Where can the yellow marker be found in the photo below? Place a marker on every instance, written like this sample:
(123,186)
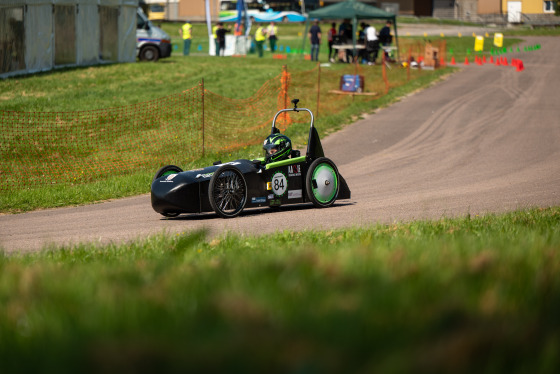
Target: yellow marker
(425,34)
(443,36)
(474,34)
(407,34)
(479,43)
(486,35)
(498,40)
(460,35)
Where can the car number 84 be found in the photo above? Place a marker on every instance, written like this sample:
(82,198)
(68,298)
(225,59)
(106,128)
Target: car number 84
(279,184)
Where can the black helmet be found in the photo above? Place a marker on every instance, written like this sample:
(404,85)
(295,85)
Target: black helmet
(277,147)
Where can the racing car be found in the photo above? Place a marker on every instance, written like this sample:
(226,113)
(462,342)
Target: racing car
(283,176)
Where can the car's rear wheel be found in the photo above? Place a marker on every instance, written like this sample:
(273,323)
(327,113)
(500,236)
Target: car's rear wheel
(227,191)
(167,170)
(163,172)
(322,182)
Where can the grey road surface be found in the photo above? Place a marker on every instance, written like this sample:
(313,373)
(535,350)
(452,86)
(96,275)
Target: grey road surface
(487,139)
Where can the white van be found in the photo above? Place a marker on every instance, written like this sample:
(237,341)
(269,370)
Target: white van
(152,43)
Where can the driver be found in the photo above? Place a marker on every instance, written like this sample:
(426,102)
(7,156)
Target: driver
(277,147)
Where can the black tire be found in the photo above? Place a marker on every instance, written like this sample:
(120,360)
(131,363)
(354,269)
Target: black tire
(227,191)
(167,170)
(322,182)
(149,53)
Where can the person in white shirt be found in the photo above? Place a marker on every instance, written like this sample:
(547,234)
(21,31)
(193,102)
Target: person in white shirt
(272,32)
(372,45)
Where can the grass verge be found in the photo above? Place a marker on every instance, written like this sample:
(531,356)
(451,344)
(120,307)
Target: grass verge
(139,182)
(473,294)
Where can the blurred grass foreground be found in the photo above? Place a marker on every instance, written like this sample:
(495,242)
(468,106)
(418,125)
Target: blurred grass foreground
(467,295)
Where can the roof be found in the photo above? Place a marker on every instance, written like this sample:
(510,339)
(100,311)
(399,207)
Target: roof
(350,9)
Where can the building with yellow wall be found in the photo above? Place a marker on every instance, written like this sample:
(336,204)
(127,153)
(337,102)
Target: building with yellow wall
(533,6)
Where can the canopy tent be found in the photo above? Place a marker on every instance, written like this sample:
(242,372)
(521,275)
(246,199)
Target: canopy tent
(354,10)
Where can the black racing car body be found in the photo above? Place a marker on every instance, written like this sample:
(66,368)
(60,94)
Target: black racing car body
(228,188)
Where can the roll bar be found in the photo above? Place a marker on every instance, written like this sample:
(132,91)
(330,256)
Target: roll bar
(314,147)
(294,109)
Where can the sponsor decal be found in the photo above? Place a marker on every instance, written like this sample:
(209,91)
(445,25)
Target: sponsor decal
(268,186)
(275,202)
(270,197)
(230,163)
(294,194)
(207,175)
(294,170)
(168,179)
(258,200)
(279,183)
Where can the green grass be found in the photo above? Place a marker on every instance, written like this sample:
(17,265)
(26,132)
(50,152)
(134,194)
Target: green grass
(124,84)
(538,31)
(465,295)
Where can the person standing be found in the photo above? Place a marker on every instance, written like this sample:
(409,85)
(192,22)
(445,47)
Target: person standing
(331,35)
(315,39)
(221,37)
(260,38)
(272,32)
(372,45)
(385,38)
(362,53)
(215,37)
(186,33)
(346,31)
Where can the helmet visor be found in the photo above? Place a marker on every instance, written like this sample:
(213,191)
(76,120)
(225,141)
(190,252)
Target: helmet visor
(270,149)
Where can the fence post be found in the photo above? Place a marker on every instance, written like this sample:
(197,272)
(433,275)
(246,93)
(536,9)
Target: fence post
(318,88)
(384,72)
(285,90)
(202,86)
(408,64)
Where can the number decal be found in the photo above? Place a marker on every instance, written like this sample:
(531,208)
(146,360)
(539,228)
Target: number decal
(279,184)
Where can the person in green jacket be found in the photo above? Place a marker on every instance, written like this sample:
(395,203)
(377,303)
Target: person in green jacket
(186,33)
(260,38)
(215,37)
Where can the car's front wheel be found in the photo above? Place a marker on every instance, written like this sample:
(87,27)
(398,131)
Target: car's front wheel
(149,53)
(227,191)
(322,182)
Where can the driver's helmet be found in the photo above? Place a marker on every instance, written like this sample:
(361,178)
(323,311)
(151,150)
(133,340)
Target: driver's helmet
(277,147)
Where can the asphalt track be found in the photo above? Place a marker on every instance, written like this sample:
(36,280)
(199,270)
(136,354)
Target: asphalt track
(485,140)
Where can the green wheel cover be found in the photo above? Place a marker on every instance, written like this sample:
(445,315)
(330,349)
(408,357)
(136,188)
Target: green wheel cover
(321,168)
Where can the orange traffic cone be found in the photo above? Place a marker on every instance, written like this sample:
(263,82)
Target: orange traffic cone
(452,60)
(505,62)
(466,60)
(520,66)
(491,59)
(498,61)
(484,59)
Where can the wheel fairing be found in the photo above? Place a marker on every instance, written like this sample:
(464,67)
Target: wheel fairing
(327,183)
